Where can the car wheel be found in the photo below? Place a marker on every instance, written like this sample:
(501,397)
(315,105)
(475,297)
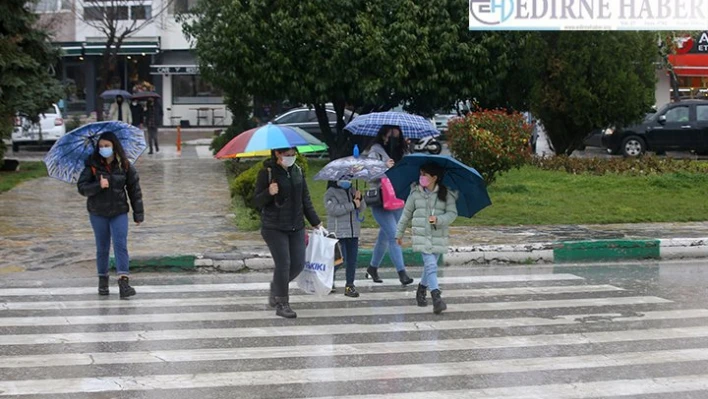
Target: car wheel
(633,146)
(435,148)
(15,147)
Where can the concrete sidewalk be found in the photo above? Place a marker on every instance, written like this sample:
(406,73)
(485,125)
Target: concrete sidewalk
(189,224)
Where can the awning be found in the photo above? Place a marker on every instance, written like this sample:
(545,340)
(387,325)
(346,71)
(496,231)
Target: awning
(75,49)
(690,64)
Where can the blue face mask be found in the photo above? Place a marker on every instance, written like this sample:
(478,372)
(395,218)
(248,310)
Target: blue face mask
(345,184)
(106,152)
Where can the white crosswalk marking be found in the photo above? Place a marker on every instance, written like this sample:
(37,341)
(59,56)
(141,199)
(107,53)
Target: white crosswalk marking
(221,340)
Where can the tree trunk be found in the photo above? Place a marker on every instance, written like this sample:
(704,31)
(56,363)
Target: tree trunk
(339,142)
(674,84)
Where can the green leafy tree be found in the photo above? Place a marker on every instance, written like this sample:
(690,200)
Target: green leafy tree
(590,80)
(366,55)
(26,60)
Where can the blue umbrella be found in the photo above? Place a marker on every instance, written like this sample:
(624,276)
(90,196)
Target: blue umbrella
(473,196)
(67,158)
(412,126)
(108,94)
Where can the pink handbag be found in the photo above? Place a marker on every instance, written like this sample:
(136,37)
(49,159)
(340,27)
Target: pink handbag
(388,195)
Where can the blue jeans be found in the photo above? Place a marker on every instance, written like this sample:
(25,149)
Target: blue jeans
(105,229)
(350,251)
(430,271)
(386,241)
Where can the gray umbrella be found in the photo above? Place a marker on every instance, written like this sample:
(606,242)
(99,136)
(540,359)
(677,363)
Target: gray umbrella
(351,168)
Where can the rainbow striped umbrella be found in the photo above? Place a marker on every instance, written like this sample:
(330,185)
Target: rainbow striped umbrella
(266,138)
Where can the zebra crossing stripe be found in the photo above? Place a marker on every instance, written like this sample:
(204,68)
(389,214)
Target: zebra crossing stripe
(338,329)
(370,348)
(576,390)
(162,289)
(345,374)
(320,313)
(250,300)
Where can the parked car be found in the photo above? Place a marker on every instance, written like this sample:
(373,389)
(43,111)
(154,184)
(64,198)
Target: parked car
(49,129)
(680,126)
(305,118)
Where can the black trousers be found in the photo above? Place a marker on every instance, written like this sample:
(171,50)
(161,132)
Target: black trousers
(152,138)
(288,251)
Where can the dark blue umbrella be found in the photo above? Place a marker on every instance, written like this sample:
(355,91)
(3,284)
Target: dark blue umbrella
(67,158)
(109,94)
(412,126)
(473,196)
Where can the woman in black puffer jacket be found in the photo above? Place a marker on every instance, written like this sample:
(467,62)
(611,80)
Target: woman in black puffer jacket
(282,195)
(108,181)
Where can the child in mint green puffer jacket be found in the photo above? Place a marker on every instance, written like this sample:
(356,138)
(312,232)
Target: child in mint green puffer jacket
(431,208)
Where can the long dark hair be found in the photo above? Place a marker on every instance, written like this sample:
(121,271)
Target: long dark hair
(118,151)
(396,147)
(433,169)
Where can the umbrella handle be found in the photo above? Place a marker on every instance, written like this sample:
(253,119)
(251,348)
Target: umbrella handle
(360,219)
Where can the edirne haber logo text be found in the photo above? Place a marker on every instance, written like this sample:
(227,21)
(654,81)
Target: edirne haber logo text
(530,12)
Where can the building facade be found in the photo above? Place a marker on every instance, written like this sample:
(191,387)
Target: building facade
(156,57)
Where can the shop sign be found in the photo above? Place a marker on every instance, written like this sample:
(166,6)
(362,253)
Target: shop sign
(174,70)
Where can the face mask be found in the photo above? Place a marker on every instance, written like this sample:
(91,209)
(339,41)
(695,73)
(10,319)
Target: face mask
(288,161)
(345,184)
(424,181)
(135,103)
(106,152)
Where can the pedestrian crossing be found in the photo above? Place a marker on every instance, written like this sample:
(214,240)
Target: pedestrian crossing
(521,336)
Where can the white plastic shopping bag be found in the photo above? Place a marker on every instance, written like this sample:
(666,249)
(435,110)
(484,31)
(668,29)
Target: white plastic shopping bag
(318,275)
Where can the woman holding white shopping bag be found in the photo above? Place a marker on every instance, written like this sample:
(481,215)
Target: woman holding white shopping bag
(282,195)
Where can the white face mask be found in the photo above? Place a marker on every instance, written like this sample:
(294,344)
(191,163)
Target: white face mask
(289,161)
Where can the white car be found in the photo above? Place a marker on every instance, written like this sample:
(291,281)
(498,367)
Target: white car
(49,129)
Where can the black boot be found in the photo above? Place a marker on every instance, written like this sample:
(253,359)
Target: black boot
(420,296)
(271,297)
(282,308)
(124,286)
(350,291)
(103,285)
(373,272)
(438,304)
(405,279)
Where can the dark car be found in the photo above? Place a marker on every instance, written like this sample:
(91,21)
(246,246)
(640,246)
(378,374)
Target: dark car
(680,126)
(306,119)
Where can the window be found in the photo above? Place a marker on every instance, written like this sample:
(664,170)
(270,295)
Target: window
(299,116)
(677,114)
(140,12)
(43,6)
(184,6)
(192,89)
(702,113)
(123,12)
